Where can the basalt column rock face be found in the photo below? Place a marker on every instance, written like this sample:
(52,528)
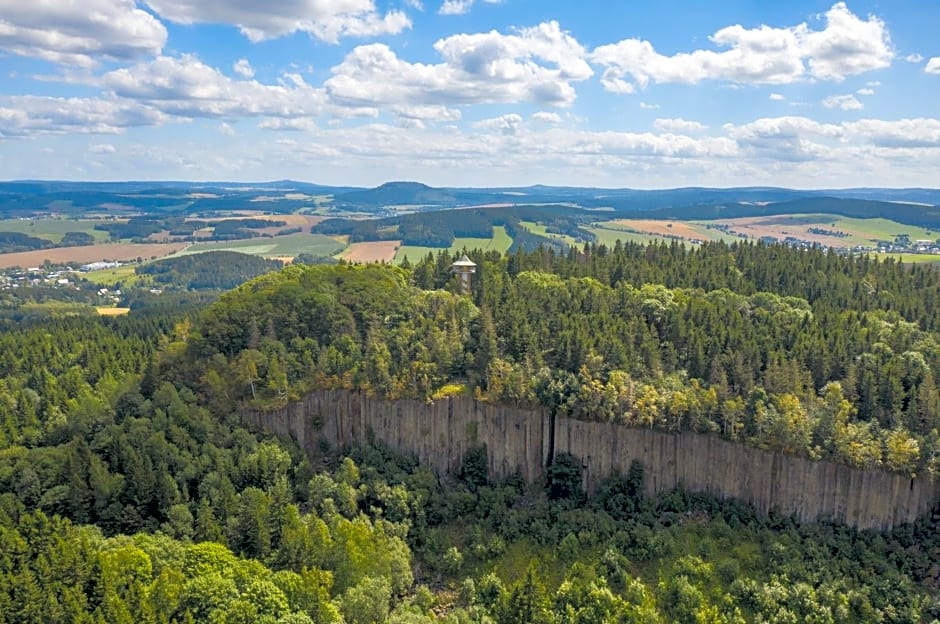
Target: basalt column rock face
(523,441)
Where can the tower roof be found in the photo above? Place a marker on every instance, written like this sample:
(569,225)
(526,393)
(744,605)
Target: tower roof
(464,262)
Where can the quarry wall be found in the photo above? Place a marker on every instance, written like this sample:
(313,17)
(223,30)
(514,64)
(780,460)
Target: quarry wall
(524,440)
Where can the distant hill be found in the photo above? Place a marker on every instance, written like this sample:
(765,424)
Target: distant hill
(28,198)
(397,193)
(31,197)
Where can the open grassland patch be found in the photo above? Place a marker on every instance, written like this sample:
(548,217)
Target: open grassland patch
(111,311)
(910,258)
(126,274)
(377,251)
(542,230)
(291,245)
(122,252)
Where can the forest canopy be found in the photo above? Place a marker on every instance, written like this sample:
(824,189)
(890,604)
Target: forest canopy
(131,492)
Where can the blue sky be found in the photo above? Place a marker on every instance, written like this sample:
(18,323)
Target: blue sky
(473,92)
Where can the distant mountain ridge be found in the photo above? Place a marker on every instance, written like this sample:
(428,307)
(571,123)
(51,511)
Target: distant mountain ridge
(27,197)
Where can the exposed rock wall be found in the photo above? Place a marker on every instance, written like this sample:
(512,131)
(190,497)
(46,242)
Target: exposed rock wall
(523,441)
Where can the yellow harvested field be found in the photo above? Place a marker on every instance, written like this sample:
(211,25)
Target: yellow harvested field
(93,253)
(378,251)
(105,311)
(284,259)
(658,227)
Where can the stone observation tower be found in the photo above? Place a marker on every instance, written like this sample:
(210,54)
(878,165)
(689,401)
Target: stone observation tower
(463,269)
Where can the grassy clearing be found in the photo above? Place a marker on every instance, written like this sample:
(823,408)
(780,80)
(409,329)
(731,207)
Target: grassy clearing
(290,246)
(52,229)
(108,277)
(500,241)
(909,258)
(413,253)
(881,229)
(111,311)
(542,230)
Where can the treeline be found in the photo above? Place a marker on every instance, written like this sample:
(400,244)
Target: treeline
(11,242)
(440,228)
(214,270)
(139,228)
(811,353)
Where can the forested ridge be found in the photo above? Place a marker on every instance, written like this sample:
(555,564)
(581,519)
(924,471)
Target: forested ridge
(808,352)
(129,492)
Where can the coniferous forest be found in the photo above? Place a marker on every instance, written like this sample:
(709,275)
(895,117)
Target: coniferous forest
(131,492)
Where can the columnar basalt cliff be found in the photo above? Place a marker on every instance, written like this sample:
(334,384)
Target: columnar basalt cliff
(524,441)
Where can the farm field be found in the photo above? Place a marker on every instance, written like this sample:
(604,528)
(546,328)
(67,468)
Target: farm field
(111,311)
(609,236)
(832,230)
(377,251)
(500,241)
(654,229)
(682,229)
(53,229)
(847,231)
(281,247)
(93,253)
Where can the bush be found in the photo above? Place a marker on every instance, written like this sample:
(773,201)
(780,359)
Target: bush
(564,478)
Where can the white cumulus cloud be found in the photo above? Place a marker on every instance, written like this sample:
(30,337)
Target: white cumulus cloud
(30,115)
(678,125)
(504,124)
(776,97)
(185,86)
(460,7)
(845,102)
(901,133)
(535,64)
(933,66)
(243,68)
(327,20)
(914,58)
(547,117)
(79,33)
(847,45)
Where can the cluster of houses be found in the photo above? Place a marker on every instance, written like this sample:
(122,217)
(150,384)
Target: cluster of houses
(903,244)
(66,277)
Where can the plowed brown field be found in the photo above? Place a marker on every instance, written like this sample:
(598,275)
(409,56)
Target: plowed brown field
(379,251)
(93,253)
